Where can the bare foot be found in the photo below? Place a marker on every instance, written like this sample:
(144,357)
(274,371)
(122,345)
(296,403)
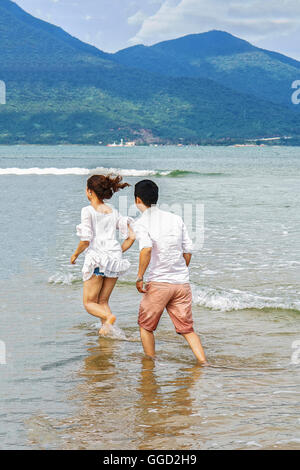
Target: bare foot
(102,321)
(104,330)
(204,364)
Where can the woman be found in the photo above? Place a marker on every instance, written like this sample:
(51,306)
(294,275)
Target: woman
(103,253)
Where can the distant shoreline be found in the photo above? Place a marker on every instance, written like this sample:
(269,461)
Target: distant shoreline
(212,144)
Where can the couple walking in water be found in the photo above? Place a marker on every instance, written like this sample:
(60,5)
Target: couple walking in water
(165,254)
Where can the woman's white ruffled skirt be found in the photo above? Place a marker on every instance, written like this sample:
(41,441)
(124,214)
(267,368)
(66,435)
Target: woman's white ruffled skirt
(109,265)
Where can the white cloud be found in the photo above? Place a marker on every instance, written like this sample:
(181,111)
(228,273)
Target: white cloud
(253,20)
(137,19)
(273,24)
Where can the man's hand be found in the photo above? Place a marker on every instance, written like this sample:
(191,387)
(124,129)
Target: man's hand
(140,287)
(145,258)
(187,257)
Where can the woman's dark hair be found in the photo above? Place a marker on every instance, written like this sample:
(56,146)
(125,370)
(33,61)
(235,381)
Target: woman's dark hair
(105,186)
(147,191)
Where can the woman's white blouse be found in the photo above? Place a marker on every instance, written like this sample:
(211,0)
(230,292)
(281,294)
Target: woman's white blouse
(104,251)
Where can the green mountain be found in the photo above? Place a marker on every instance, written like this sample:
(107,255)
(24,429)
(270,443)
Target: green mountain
(28,41)
(224,58)
(60,90)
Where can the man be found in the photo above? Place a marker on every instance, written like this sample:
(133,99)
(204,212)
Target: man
(165,248)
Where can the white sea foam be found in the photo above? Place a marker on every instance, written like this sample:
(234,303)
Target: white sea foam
(114,332)
(64,278)
(81,171)
(227,300)
(253,444)
(224,300)
(44,171)
(101,170)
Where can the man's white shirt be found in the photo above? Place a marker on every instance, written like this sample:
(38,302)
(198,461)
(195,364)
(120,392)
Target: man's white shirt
(168,237)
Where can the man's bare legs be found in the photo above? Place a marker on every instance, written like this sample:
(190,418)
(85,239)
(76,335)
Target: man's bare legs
(148,342)
(193,340)
(196,346)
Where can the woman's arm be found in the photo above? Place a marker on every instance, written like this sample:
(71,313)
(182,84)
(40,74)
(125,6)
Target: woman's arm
(82,246)
(84,232)
(127,244)
(129,241)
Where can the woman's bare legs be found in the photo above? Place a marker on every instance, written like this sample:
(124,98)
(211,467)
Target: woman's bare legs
(103,302)
(96,294)
(91,291)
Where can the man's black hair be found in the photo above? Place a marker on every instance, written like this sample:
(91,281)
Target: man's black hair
(147,191)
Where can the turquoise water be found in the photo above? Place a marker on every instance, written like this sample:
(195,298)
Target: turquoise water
(64,387)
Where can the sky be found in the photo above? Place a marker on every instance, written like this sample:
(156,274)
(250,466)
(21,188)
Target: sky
(112,25)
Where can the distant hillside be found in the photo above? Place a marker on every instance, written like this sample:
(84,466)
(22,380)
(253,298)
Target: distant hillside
(28,41)
(60,90)
(224,58)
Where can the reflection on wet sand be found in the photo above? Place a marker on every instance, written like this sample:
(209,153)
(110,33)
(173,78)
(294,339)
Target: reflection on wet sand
(165,407)
(122,400)
(138,407)
(100,365)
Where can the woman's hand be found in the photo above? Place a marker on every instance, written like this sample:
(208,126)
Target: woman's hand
(127,244)
(73,259)
(130,239)
(80,249)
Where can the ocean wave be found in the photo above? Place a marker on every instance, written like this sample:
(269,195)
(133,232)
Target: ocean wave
(86,171)
(233,299)
(44,171)
(181,173)
(80,171)
(224,300)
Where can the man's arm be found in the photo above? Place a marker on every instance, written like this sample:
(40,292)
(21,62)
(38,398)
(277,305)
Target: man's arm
(187,257)
(145,258)
(187,245)
(145,244)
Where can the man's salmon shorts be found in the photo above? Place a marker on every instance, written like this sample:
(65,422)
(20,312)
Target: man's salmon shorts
(176,298)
